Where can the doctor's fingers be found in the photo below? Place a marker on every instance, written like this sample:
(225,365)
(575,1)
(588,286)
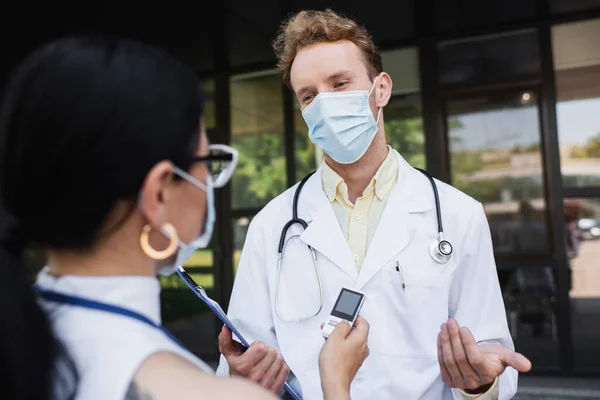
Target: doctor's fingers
(276,375)
(474,354)
(360,333)
(469,375)
(227,346)
(449,360)
(281,378)
(516,360)
(446,377)
(244,364)
(258,372)
(340,332)
(361,325)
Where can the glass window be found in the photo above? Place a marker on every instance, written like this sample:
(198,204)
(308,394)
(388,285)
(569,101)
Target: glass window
(257,131)
(489,60)
(563,6)
(240,229)
(308,156)
(403,66)
(210,119)
(582,234)
(577,66)
(404,128)
(186,316)
(530,297)
(34,260)
(494,144)
(403,114)
(176,301)
(464,14)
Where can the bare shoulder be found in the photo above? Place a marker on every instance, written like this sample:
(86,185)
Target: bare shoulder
(168,376)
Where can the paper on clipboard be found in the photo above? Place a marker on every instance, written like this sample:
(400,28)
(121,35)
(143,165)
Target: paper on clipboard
(216,307)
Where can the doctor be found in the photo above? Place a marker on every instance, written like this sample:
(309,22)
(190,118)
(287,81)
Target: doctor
(438,326)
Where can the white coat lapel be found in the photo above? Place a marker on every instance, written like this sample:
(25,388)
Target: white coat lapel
(324,233)
(395,230)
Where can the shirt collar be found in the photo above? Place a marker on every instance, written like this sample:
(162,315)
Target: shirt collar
(382,182)
(331,182)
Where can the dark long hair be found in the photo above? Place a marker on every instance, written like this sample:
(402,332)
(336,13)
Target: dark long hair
(82,122)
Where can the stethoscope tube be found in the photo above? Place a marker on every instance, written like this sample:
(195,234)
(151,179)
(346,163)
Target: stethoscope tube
(440,250)
(296,220)
(436,195)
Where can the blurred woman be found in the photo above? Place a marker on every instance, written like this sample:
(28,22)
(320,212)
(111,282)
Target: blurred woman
(106,165)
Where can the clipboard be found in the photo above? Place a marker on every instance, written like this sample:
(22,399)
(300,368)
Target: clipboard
(218,311)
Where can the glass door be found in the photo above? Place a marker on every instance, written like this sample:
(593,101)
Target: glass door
(495,155)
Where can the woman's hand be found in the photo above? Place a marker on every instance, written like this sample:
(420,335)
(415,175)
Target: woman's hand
(341,357)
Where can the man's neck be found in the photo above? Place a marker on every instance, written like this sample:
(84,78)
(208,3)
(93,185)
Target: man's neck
(357,176)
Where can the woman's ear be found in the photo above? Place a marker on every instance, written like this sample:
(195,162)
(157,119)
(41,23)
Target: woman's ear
(156,192)
(384,89)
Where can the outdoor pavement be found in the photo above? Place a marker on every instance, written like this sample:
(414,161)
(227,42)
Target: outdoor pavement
(547,388)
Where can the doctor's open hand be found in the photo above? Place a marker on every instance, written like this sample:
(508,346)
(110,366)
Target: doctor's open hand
(341,356)
(260,363)
(471,367)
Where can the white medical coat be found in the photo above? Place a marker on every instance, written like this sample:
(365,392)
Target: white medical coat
(404,324)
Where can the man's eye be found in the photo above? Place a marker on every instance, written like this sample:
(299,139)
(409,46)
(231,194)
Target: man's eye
(340,84)
(308,98)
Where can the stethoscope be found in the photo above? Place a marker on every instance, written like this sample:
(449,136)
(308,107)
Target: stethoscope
(440,249)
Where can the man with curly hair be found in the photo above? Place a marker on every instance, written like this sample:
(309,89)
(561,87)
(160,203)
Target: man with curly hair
(438,323)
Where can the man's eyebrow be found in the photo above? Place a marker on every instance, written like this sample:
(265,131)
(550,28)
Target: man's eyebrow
(336,75)
(340,74)
(304,90)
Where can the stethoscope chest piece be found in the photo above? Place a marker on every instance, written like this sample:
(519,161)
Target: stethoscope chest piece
(440,251)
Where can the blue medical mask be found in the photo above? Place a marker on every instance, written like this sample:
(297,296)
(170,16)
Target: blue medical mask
(186,250)
(342,124)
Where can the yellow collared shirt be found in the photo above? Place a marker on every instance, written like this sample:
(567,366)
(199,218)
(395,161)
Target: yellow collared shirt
(359,220)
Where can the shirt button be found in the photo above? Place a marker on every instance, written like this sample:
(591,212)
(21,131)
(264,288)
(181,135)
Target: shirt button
(356,257)
(358,217)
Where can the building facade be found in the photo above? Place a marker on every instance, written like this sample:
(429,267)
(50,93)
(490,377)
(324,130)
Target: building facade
(499,98)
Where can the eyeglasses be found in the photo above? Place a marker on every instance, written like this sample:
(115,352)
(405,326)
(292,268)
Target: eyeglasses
(221,162)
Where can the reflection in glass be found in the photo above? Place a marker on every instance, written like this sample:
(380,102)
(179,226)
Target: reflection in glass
(210,118)
(468,14)
(494,144)
(493,59)
(257,133)
(240,229)
(308,156)
(201,258)
(531,300)
(582,238)
(187,317)
(577,65)
(562,6)
(404,128)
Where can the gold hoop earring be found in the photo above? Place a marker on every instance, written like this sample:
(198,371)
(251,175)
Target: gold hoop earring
(159,254)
